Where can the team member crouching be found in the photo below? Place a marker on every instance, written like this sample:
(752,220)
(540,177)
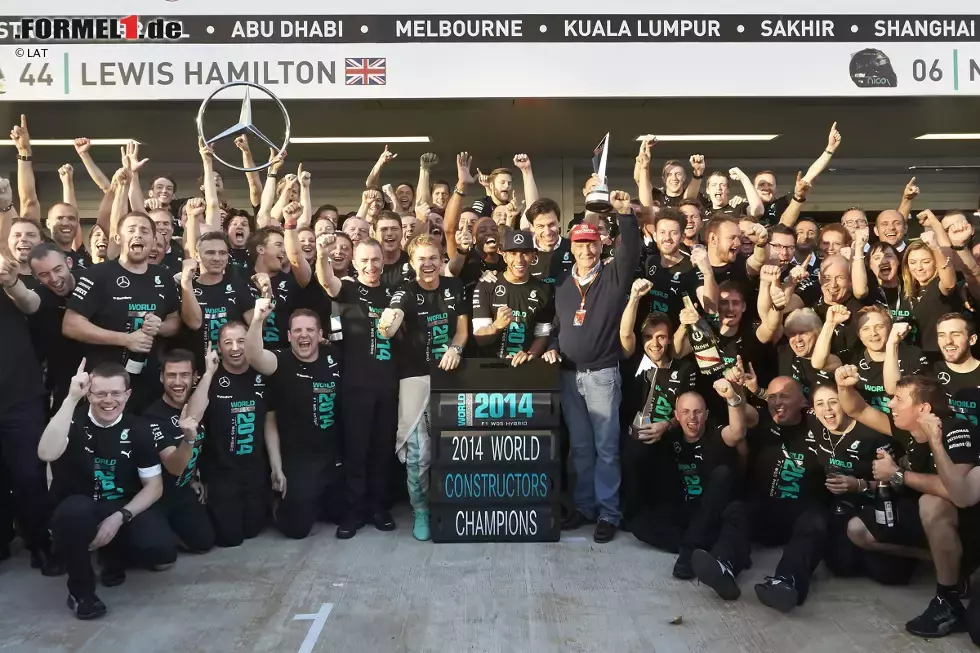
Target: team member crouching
(436,327)
(302,431)
(705,470)
(512,316)
(233,465)
(106,477)
(370,379)
(925,513)
(178,432)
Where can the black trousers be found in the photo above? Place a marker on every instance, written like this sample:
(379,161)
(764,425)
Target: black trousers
(800,529)
(310,489)
(844,558)
(714,523)
(145,541)
(188,519)
(370,417)
(642,486)
(21,425)
(238,504)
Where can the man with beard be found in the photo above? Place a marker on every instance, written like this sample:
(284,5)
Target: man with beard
(302,434)
(891,227)
(765,182)
(667,270)
(884,359)
(211,295)
(588,304)
(701,463)
(512,316)
(834,290)
(723,237)
(23,236)
(388,232)
(499,187)
(369,403)
(803,328)
(50,265)
(786,499)
(63,224)
(176,423)
(106,477)
(119,308)
(925,513)
(959,371)
(233,461)
(552,257)
(469,266)
(238,227)
(717,192)
(650,388)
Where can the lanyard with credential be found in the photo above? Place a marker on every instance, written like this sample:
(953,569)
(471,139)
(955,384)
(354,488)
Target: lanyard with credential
(579,319)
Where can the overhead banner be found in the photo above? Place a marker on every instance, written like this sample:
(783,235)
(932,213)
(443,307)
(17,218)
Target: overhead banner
(348,56)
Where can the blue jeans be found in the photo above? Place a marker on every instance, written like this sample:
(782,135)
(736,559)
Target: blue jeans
(590,404)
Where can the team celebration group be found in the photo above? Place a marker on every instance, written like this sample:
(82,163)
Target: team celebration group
(731,371)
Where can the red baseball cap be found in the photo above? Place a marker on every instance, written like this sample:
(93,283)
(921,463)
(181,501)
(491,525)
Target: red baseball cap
(584,232)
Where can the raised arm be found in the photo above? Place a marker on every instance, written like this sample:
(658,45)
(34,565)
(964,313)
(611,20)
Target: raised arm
(859,272)
(54,439)
(264,217)
(133,163)
(738,422)
(263,360)
(801,189)
(120,205)
(324,270)
(822,357)
(627,338)
(891,371)
(909,193)
(455,206)
(641,172)
(960,235)
(7,215)
(26,300)
(853,405)
(190,308)
(423,190)
(942,250)
(212,205)
(253,178)
(697,174)
(374,177)
(631,244)
(82,147)
(305,199)
(193,230)
(755,207)
(759,236)
(294,252)
(523,163)
(818,166)
(30,207)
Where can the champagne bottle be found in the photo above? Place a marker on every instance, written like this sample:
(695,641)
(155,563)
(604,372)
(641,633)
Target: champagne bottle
(884,506)
(704,344)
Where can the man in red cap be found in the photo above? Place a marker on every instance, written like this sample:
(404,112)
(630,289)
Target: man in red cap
(588,306)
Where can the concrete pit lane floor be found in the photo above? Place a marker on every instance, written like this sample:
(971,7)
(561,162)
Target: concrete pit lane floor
(381,592)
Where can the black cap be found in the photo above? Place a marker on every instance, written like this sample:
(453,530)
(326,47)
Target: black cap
(517,241)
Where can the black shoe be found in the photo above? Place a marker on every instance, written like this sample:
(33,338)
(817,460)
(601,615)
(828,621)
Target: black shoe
(47,562)
(715,574)
(605,531)
(575,520)
(112,577)
(383,521)
(943,616)
(682,568)
(778,593)
(348,528)
(85,608)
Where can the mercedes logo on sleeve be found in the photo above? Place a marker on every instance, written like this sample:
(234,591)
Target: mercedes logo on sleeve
(122,282)
(244,124)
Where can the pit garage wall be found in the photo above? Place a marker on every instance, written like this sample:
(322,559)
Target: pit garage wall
(873,184)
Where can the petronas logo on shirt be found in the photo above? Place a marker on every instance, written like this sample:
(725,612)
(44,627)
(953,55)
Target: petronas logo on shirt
(124,435)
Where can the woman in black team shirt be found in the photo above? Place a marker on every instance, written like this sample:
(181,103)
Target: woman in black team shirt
(929,282)
(435,331)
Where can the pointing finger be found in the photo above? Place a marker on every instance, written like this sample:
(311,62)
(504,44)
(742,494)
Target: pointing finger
(833,127)
(23,122)
(81,366)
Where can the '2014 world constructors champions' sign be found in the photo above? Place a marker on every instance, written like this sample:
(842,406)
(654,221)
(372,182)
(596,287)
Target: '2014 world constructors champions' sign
(391,54)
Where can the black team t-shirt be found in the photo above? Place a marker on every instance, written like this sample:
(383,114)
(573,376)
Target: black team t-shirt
(61,354)
(551,266)
(222,302)
(105,463)
(286,294)
(394,275)
(17,353)
(304,396)
(369,361)
(851,453)
(429,325)
(963,390)
(239,261)
(774,209)
(697,460)
(113,298)
(669,381)
(801,369)
(164,421)
(783,463)
(872,374)
(235,424)
(79,259)
(845,339)
(667,294)
(960,439)
(473,268)
(927,307)
(533,312)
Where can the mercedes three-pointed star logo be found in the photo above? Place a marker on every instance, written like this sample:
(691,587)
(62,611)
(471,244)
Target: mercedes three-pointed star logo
(244,124)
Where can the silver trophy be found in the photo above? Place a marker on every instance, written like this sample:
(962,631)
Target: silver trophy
(598,198)
(244,124)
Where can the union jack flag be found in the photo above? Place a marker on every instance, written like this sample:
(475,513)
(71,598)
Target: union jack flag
(365,72)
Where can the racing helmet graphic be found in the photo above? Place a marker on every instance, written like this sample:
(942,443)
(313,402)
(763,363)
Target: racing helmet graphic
(872,68)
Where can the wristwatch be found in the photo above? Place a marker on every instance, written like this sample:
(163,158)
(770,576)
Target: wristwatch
(126,515)
(898,478)
(457,349)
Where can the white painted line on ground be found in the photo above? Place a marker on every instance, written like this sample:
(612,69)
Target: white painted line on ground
(319,620)
(573,539)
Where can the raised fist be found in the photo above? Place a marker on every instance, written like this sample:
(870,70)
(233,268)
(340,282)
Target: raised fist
(847,376)
(724,389)
(699,256)
(640,287)
(697,164)
(689,316)
(428,161)
(522,162)
(770,273)
(82,145)
(620,200)
(838,315)
(66,171)
(898,332)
